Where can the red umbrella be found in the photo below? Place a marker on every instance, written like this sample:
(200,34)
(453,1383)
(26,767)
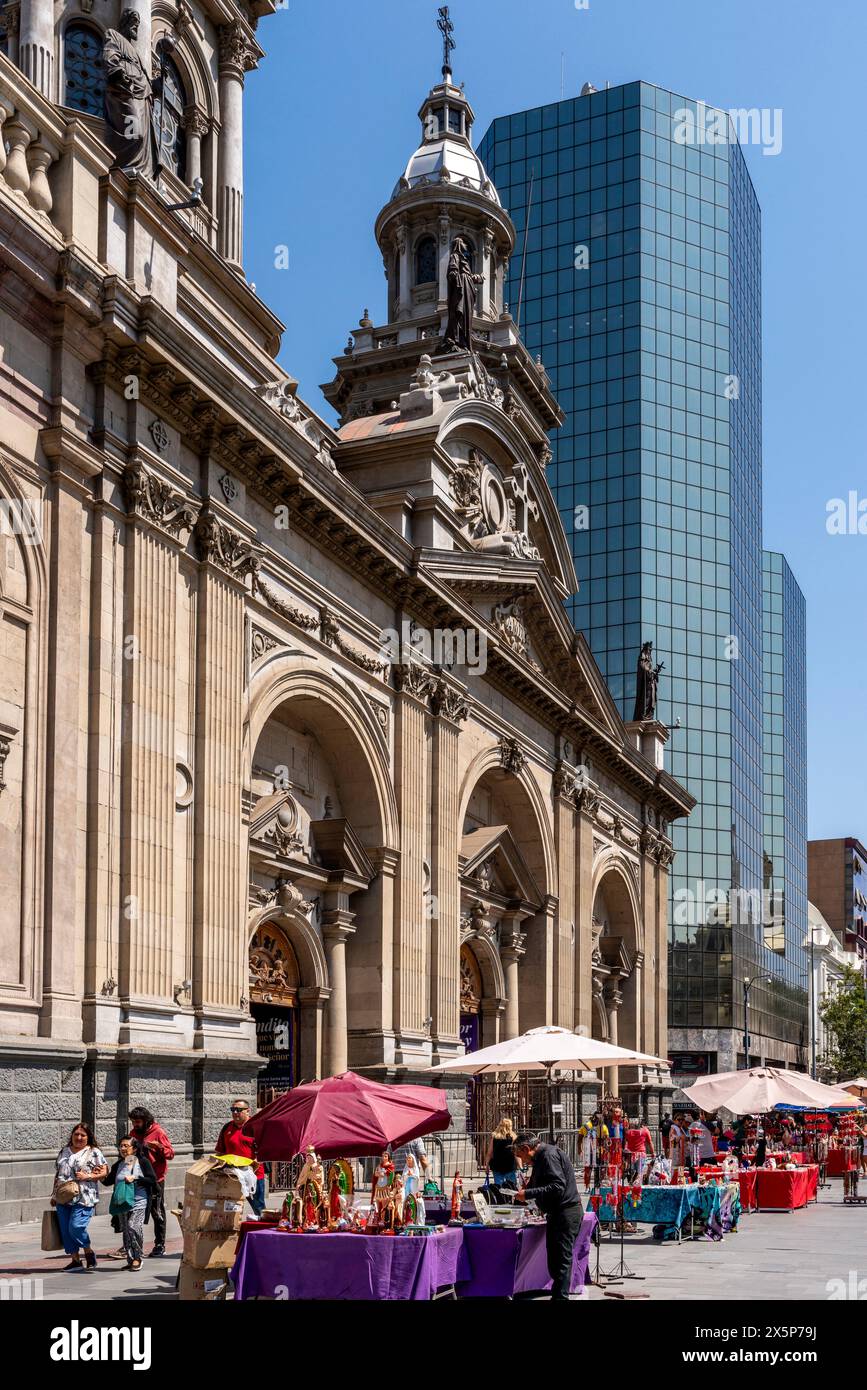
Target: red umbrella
(346,1116)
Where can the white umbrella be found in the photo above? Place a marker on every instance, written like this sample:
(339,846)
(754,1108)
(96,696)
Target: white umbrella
(856,1087)
(760,1089)
(547,1049)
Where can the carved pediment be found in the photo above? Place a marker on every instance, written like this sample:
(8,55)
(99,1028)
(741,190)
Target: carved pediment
(277,823)
(492,865)
(339,849)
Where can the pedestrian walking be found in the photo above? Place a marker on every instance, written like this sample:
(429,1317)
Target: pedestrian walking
(80,1167)
(553,1188)
(233,1140)
(134,1186)
(638,1142)
(158,1147)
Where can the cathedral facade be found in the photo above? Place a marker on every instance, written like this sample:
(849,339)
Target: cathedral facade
(302,765)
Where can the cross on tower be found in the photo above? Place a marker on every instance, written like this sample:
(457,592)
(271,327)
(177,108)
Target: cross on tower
(446,28)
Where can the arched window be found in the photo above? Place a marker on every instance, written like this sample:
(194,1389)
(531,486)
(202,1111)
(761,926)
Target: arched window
(83,73)
(169,117)
(426,261)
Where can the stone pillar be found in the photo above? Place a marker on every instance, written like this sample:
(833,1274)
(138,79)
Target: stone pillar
(449,707)
(491,1010)
(220,889)
(565,932)
(312,1001)
(196,127)
(613,1000)
(148,740)
(445,237)
(404,271)
(63,930)
(236,58)
(584,914)
(411,932)
(370,970)
(511,950)
(336,929)
(36,45)
(485,303)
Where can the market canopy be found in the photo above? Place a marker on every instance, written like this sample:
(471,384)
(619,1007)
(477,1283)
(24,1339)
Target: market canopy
(547,1049)
(346,1116)
(760,1089)
(856,1087)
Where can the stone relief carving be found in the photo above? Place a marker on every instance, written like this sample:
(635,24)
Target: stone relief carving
(156,501)
(6,737)
(221,546)
(512,756)
(508,619)
(262,642)
(496,510)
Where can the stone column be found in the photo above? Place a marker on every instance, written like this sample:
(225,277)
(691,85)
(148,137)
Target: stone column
(445,228)
(450,707)
(312,1001)
(613,1000)
(158,519)
(511,950)
(196,127)
(485,308)
(584,912)
(336,929)
(411,930)
(566,934)
(236,58)
(36,45)
(404,272)
(220,889)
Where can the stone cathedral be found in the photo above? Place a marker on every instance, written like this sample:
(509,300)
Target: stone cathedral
(302,765)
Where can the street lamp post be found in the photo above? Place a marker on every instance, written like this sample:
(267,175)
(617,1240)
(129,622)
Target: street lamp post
(748,984)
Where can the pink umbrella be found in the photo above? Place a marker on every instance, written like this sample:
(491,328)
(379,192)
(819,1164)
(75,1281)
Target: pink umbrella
(346,1116)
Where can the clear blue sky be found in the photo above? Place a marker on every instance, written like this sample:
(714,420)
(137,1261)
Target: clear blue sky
(331,121)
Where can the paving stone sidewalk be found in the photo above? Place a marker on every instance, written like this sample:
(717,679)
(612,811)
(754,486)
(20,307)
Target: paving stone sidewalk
(774,1255)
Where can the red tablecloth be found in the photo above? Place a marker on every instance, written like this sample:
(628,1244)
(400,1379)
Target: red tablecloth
(785,1189)
(747,1181)
(840,1161)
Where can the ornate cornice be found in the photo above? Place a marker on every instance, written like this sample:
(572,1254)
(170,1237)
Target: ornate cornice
(156,501)
(324,624)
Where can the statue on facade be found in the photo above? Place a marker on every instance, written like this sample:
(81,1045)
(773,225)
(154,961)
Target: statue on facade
(129,99)
(461,282)
(646,684)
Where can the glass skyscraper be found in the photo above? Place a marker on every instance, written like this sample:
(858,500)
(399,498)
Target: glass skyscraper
(637,277)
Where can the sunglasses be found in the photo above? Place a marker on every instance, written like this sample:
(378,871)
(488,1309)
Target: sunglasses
(239,1109)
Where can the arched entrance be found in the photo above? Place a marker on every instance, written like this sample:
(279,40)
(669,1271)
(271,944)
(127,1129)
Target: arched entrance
(617,966)
(320,812)
(274,982)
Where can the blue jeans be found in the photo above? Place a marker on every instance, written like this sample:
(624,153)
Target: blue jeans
(74,1220)
(257,1202)
(505,1179)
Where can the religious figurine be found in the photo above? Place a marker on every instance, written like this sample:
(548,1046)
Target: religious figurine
(461,283)
(646,684)
(457,1196)
(129,99)
(413,1208)
(387,1197)
(308,1209)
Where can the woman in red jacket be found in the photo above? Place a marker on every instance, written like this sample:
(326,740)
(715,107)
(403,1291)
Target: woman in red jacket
(158,1147)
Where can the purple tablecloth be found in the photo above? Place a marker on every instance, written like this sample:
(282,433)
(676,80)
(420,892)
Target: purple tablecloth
(275,1264)
(503,1263)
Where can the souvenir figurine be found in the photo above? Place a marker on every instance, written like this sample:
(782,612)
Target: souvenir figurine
(414,1209)
(457,1196)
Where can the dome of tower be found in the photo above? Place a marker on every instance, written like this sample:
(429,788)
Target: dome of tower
(446,154)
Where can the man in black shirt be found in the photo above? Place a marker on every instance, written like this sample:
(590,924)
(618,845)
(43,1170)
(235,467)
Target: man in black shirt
(553,1188)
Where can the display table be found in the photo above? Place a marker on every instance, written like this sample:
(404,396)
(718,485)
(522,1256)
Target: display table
(786,1189)
(504,1263)
(841,1161)
(282,1265)
(665,1207)
(746,1182)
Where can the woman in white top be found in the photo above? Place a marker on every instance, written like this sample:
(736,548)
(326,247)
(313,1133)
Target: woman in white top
(80,1166)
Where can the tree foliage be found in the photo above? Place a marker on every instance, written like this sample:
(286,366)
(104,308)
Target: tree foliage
(844,1014)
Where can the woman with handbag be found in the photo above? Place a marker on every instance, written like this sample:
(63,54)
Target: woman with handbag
(134,1185)
(80,1166)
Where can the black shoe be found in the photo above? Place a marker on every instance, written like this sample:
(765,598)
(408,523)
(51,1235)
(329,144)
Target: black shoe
(157,1252)
(90,1258)
(73,1264)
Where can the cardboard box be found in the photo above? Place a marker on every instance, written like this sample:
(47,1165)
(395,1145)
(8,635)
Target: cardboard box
(202,1285)
(210,1249)
(213,1197)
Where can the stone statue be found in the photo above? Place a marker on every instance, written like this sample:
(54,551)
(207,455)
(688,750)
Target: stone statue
(129,99)
(462,284)
(646,684)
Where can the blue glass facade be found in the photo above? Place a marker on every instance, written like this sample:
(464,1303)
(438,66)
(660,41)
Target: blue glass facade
(640,286)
